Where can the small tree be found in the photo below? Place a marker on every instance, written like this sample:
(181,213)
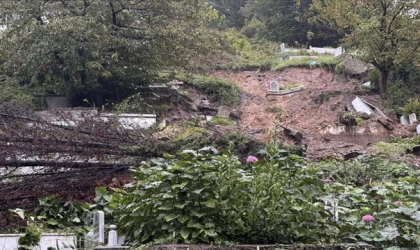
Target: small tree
(383,32)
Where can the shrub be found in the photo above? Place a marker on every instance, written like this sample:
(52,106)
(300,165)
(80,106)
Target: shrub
(202,197)
(349,118)
(189,198)
(253,28)
(251,54)
(392,151)
(412,106)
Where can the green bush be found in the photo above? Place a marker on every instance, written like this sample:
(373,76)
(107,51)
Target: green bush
(351,119)
(189,198)
(209,196)
(253,28)
(412,106)
(392,151)
(11,93)
(239,52)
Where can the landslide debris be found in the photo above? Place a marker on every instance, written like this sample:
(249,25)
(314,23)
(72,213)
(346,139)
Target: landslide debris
(317,111)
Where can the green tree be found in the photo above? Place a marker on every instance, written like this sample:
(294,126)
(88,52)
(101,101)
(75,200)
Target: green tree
(101,49)
(290,21)
(231,10)
(383,33)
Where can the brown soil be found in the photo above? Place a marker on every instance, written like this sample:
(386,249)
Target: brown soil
(314,111)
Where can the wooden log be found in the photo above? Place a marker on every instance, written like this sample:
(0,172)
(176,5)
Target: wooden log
(351,155)
(385,122)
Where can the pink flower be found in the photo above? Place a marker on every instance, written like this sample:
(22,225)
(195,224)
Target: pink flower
(398,203)
(251,159)
(327,180)
(368,218)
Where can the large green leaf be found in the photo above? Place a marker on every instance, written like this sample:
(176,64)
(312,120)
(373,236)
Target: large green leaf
(171,217)
(185,233)
(211,203)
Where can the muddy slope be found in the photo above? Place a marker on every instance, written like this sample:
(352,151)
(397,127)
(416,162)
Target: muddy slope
(314,111)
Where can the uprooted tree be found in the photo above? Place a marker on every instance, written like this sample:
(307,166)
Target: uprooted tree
(62,155)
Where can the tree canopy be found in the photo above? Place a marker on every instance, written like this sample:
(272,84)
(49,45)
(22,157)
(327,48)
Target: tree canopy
(230,9)
(290,21)
(100,49)
(383,33)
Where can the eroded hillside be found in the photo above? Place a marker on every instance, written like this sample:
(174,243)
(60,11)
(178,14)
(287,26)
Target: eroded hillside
(314,111)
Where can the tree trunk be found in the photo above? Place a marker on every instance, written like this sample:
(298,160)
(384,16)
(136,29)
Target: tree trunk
(383,81)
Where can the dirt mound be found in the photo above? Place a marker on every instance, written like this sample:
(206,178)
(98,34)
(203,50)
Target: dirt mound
(314,111)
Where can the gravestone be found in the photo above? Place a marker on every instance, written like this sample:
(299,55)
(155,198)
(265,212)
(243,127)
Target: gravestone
(112,236)
(404,121)
(338,52)
(274,86)
(412,118)
(282,47)
(98,226)
(89,242)
(224,112)
(360,106)
(332,207)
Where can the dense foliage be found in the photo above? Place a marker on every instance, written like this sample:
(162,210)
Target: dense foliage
(213,196)
(290,22)
(383,32)
(100,50)
(209,196)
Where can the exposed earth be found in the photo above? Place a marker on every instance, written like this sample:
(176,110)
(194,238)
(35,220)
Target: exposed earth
(314,111)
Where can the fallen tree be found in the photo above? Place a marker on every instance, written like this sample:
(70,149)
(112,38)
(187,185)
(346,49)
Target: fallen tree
(67,159)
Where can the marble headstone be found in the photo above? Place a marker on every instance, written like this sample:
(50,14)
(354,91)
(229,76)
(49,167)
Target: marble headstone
(274,86)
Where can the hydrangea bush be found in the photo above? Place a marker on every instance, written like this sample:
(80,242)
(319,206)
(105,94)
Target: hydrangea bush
(211,196)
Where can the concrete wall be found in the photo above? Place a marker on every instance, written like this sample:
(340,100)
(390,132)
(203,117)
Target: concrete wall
(10,241)
(132,121)
(54,102)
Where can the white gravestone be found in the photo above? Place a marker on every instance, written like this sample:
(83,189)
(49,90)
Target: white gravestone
(89,241)
(366,84)
(282,47)
(360,106)
(332,207)
(274,86)
(99,227)
(412,118)
(338,52)
(112,236)
(404,120)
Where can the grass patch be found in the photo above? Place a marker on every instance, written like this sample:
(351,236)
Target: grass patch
(278,110)
(217,120)
(224,92)
(291,86)
(328,62)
